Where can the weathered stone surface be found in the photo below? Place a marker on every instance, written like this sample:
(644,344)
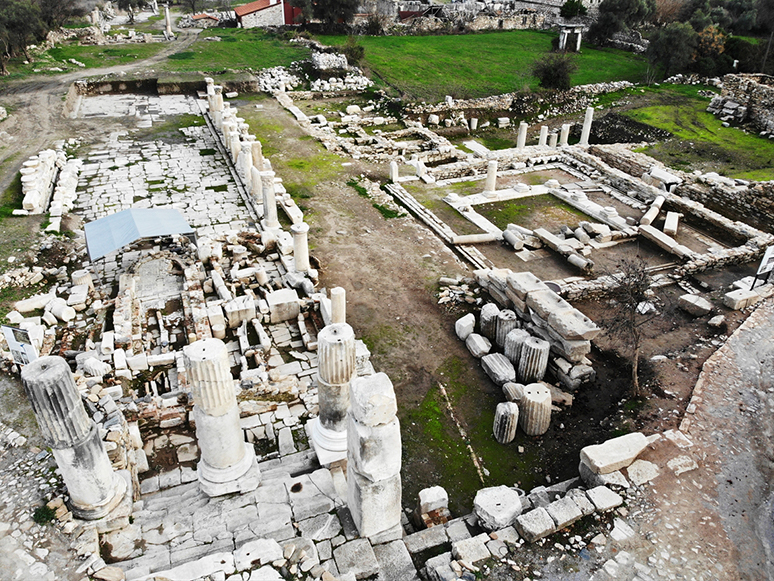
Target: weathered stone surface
(432,498)
(523,283)
(614,454)
(426,539)
(695,305)
(546,302)
(603,498)
(465,325)
(488,321)
(356,557)
(513,391)
(395,562)
(533,360)
(642,471)
(498,368)
(615,480)
(582,501)
(320,527)
(535,409)
(375,452)
(372,400)
(497,507)
(478,345)
(573,325)
(535,525)
(375,506)
(257,552)
(472,549)
(284,305)
(507,321)
(740,299)
(564,512)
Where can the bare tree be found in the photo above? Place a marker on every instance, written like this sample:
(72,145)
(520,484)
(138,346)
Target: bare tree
(624,320)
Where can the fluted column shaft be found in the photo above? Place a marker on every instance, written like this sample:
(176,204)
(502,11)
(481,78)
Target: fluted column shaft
(301,246)
(507,321)
(270,219)
(505,422)
(338,305)
(533,360)
(536,409)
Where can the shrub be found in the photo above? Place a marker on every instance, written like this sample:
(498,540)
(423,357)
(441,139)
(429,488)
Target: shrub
(572,8)
(553,71)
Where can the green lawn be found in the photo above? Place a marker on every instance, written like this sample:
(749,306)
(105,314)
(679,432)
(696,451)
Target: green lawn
(477,65)
(238,49)
(106,56)
(701,141)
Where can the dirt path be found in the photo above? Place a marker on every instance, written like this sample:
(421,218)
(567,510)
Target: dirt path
(36,121)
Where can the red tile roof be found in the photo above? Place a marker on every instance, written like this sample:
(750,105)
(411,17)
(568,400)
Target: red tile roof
(252,7)
(200,16)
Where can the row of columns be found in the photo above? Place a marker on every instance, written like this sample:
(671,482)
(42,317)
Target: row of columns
(256,173)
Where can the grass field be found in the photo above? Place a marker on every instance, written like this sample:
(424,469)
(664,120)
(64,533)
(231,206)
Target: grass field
(477,65)
(701,141)
(237,49)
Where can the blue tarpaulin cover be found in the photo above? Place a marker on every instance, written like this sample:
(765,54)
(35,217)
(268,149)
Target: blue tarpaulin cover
(115,231)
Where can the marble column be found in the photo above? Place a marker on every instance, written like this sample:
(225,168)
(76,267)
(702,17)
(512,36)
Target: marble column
(543,139)
(335,370)
(338,305)
(535,409)
(507,321)
(83,277)
(565,135)
(521,139)
(488,321)
(227,463)
(245,162)
(257,154)
(491,176)
(584,140)
(256,185)
(270,221)
(94,488)
(374,457)
(533,360)
(210,82)
(394,174)
(167,22)
(216,112)
(514,341)
(552,140)
(300,246)
(505,422)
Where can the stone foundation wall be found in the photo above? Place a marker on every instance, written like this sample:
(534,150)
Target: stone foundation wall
(756,94)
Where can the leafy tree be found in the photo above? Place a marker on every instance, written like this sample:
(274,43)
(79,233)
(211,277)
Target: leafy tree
(618,15)
(673,47)
(667,11)
(553,71)
(130,6)
(20,25)
(331,12)
(700,20)
(766,21)
(54,13)
(624,321)
(572,8)
(306,9)
(192,5)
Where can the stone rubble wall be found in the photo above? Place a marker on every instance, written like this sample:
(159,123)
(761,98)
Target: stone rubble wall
(747,98)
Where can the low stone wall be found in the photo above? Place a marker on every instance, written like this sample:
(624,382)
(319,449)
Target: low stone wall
(752,96)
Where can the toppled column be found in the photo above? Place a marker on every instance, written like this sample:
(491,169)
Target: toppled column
(650,216)
(270,221)
(505,422)
(565,135)
(543,136)
(507,321)
(374,457)
(83,277)
(586,131)
(94,488)
(336,368)
(533,360)
(491,176)
(521,139)
(535,409)
(514,341)
(338,305)
(300,246)
(227,463)
(488,320)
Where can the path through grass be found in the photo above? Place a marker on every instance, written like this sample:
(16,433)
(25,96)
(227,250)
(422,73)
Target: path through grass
(477,65)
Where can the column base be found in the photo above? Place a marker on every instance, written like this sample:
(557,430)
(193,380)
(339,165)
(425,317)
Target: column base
(330,446)
(273,226)
(241,477)
(97,511)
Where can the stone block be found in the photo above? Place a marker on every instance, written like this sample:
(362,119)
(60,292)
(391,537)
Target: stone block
(546,302)
(372,400)
(284,305)
(582,501)
(465,325)
(375,506)
(564,512)
(432,498)
(499,369)
(603,498)
(614,454)
(497,507)
(478,345)
(356,557)
(395,562)
(695,305)
(321,527)
(535,524)
(374,452)
(740,299)
(257,552)
(472,549)
(573,325)
(426,539)
(615,480)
